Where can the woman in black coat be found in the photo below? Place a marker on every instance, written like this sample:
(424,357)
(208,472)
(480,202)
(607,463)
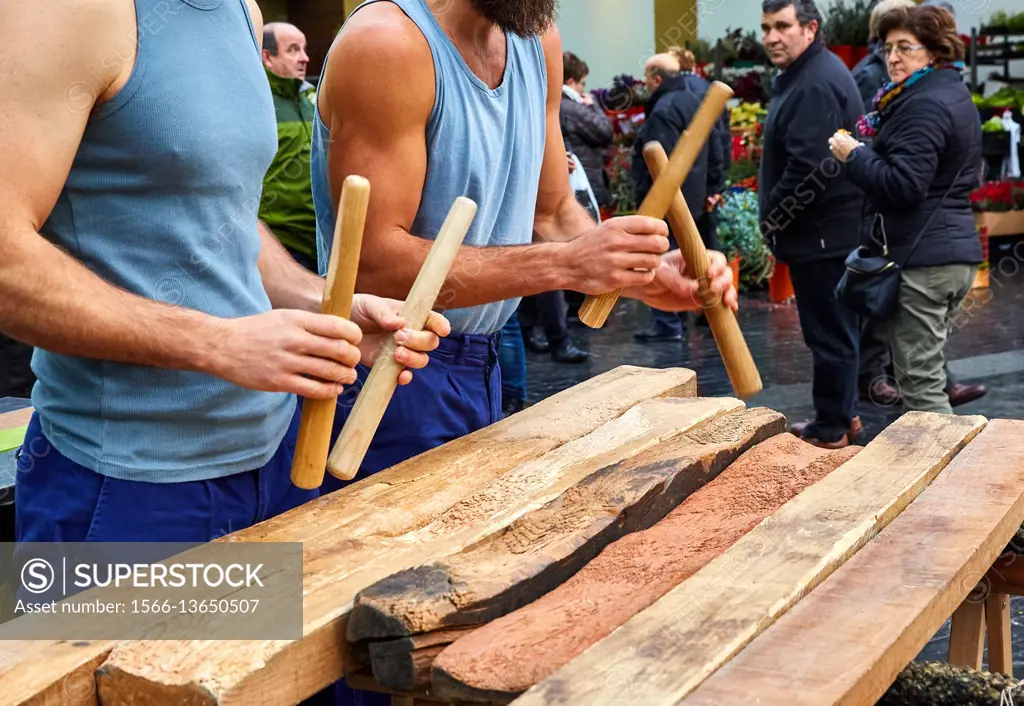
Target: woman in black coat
(585,126)
(917,175)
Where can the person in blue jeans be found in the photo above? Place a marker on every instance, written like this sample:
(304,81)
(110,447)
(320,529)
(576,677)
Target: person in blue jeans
(512,363)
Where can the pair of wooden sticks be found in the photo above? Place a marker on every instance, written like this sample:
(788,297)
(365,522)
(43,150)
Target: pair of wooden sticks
(311,453)
(666,198)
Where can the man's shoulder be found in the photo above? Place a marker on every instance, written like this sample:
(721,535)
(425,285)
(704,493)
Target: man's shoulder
(382,33)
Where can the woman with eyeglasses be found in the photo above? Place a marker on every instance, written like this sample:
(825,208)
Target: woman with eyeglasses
(917,175)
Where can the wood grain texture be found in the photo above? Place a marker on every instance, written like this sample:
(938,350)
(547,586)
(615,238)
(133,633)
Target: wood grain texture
(666,651)
(631,480)
(314,438)
(511,654)
(404,664)
(13,420)
(361,425)
(541,550)
(739,363)
(373,528)
(44,673)
(1000,640)
(846,642)
(595,310)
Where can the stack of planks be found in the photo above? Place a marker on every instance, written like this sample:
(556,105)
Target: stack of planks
(620,542)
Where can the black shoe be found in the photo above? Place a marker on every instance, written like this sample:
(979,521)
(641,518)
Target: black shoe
(535,341)
(658,334)
(566,352)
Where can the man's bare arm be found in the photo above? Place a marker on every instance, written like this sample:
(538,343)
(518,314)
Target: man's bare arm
(50,300)
(378,122)
(559,217)
(289,285)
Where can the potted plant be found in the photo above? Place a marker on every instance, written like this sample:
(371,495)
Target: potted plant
(847,25)
(739,238)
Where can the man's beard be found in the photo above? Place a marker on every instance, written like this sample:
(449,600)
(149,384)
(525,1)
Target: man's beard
(524,18)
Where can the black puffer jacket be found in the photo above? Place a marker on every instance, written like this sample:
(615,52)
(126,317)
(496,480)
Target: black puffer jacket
(589,131)
(928,146)
(871,74)
(809,209)
(670,111)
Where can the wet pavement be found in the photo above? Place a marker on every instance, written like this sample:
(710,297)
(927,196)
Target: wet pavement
(986,347)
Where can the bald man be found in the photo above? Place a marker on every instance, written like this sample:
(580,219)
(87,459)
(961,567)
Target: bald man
(674,101)
(286,205)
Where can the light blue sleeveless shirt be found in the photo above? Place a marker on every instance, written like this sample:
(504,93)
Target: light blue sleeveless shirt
(486,145)
(162,200)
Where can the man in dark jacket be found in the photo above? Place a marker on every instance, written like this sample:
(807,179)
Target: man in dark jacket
(810,212)
(585,126)
(670,110)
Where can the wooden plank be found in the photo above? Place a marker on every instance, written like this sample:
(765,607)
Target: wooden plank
(967,635)
(544,548)
(846,642)
(15,419)
(1000,641)
(663,653)
(70,682)
(511,654)
(357,524)
(404,664)
(335,570)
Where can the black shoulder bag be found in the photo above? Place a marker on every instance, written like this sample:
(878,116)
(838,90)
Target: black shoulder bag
(870,286)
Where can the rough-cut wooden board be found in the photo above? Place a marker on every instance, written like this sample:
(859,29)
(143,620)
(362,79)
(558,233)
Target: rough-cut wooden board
(53,674)
(361,520)
(404,664)
(846,642)
(544,548)
(335,571)
(508,656)
(15,419)
(663,653)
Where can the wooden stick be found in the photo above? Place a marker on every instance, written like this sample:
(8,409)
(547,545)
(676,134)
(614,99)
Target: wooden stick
(739,364)
(595,310)
(314,440)
(352,445)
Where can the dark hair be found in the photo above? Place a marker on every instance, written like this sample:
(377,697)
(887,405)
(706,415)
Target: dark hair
(270,40)
(934,27)
(806,10)
(574,67)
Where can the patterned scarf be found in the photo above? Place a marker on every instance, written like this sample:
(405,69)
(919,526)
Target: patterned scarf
(870,123)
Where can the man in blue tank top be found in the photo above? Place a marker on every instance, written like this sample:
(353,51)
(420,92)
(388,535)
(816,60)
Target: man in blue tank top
(172,331)
(436,99)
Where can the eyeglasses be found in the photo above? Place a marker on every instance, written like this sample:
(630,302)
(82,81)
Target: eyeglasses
(901,49)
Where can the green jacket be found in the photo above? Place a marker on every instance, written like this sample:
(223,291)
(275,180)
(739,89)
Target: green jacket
(287,202)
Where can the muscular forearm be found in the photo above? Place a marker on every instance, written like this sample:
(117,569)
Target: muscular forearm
(479,275)
(51,301)
(568,222)
(289,285)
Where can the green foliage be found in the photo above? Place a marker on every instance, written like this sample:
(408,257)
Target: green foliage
(848,23)
(1002,19)
(741,169)
(739,234)
(702,50)
(993,124)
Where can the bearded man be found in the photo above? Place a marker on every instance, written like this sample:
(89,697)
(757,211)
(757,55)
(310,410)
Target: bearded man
(436,99)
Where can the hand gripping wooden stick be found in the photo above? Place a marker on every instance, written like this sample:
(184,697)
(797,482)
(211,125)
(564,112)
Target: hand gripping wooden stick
(595,310)
(348,453)
(739,364)
(314,439)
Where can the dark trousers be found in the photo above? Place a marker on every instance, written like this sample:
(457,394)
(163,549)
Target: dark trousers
(548,310)
(61,501)
(832,333)
(707,225)
(512,361)
(875,356)
(16,377)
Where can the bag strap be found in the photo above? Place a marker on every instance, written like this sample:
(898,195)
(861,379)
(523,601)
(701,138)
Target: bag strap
(935,212)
